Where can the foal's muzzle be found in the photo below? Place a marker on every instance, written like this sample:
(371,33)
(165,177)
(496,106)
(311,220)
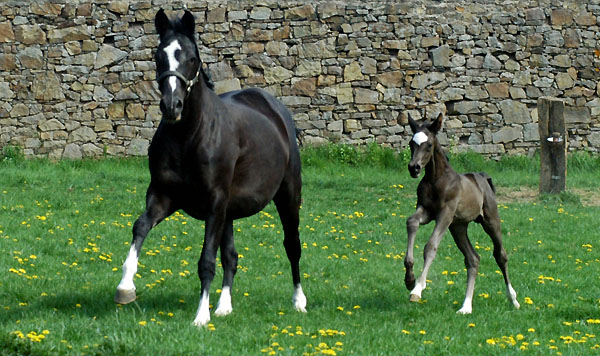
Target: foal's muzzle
(414,169)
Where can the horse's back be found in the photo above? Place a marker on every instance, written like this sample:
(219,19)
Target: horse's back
(263,102)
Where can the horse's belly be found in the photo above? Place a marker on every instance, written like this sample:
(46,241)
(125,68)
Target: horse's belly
(241,207)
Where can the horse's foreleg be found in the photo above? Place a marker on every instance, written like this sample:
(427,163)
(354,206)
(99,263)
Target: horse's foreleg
(229,258)
(157,208)
(206,265)
(441,225)
(420,217)
(459,233)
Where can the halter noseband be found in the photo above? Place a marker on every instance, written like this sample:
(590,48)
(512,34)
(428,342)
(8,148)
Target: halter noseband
(188,83)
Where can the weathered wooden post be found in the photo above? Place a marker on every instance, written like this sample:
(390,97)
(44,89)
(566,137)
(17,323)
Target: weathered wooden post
(553,137)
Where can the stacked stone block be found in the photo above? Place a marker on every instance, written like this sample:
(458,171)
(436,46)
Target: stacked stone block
(77,77)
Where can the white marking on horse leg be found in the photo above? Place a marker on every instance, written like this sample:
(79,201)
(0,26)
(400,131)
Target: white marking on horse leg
(203,314)
(467,307)
(224,306)
(512,296)
(173,62)
(299,299)
(415,294)
(129,270)
(419,138)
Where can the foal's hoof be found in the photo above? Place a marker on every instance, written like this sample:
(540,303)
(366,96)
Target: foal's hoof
(124,296)
(409,282)
(415,298)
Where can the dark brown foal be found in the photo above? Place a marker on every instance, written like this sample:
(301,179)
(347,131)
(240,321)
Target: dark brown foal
(453,201)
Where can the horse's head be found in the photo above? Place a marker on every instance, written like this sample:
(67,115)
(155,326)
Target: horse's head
(177,62)
(422,143)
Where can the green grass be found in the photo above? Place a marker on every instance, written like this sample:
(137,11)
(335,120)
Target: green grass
(65,229)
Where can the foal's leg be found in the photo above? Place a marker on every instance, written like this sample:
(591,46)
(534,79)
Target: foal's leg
(158,207)
(287,201)
(441,225)
(420,217)
(459,233)
(491,225)
(229,258)
(215,225)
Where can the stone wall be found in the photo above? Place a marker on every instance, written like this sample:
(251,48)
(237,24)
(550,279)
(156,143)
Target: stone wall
(77,77)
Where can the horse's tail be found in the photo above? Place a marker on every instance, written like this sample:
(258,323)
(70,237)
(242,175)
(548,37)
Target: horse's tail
(489,181)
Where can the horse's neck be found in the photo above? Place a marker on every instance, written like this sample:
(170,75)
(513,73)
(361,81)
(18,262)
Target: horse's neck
(438,166)
(201,108)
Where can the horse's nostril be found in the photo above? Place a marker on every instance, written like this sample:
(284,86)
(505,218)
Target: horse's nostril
(162,106)
(179,105)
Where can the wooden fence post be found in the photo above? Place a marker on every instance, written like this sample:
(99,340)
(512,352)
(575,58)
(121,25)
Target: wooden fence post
(553,137)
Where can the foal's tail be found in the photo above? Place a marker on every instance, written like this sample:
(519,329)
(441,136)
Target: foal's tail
(489,180)
(299,137)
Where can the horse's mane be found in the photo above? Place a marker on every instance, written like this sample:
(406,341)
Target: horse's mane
(209,83)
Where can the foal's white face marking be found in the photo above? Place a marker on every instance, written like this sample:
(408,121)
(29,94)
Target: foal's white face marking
(173,62)
(419,138)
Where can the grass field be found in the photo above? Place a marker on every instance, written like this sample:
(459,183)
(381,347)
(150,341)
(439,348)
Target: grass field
(65,230)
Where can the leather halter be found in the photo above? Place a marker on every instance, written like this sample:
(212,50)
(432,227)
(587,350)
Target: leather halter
(188,83)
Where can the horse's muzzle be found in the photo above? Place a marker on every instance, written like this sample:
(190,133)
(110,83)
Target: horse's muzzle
(171,107)
(414,169)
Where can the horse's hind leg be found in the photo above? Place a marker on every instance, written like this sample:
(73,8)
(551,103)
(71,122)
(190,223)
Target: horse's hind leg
(158,207)
(459,233)
(491,225)
(229,258)
(287,201)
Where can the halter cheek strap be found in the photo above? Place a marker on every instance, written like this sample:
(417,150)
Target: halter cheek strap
(188,83)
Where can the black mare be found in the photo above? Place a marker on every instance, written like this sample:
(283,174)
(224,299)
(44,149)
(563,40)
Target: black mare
(453,200)
(218,158)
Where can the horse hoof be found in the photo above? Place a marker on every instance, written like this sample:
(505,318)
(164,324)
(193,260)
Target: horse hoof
(415,298)
(409,282)
(124,296)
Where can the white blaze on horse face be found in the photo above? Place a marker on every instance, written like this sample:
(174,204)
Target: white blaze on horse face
(173,62)
(419,138)
(129,270)
(203,314)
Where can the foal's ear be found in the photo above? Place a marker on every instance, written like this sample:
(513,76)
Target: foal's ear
(161,22)
(188,24)
(436,125)
(413,124)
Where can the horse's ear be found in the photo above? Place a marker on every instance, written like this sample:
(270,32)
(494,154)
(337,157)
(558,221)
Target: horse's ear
(413,124)
(436,125)
(161,22)
(188,24)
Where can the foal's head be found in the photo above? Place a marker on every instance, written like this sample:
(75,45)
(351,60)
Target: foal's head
(177,62)
(422,144)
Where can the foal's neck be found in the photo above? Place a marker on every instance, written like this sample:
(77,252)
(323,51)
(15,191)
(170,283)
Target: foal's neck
(438,165)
